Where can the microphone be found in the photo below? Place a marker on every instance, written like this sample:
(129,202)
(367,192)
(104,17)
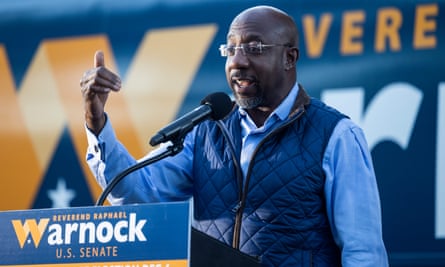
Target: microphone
(214,106)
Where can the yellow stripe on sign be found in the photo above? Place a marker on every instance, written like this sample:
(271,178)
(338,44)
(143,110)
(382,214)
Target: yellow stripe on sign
(163,263)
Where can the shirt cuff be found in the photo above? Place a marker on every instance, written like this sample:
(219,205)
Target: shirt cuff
(96,143)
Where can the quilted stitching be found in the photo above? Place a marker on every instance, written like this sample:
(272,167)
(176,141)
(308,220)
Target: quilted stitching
(284,207)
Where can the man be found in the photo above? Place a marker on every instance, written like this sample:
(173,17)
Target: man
(292,183)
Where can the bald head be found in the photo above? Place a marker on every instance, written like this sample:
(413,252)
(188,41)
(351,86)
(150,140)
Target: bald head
(275,21)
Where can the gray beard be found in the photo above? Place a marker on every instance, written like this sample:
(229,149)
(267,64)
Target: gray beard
(249,103)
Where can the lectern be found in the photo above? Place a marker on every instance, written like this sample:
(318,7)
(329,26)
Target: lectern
(207,251)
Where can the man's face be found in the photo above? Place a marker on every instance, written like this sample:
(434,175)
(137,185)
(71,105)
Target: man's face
(256,79)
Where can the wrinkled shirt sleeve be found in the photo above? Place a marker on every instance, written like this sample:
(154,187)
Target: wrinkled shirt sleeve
(352,198)
(165,180)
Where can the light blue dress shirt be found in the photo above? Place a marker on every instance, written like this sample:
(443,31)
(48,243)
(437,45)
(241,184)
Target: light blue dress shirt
(352,197)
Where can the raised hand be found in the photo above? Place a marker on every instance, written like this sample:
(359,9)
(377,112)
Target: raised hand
(96,84)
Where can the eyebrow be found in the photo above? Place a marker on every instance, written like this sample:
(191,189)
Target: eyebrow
(248,37)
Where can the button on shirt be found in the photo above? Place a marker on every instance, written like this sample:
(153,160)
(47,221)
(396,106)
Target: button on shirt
(352,198)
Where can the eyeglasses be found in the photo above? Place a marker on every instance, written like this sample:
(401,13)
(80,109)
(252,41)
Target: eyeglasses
(247,49)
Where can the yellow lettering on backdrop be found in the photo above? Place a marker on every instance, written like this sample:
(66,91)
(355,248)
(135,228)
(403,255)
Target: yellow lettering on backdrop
(387,36)
(316,39)
(425,23)
(50,99)
(389,21)
(352,32)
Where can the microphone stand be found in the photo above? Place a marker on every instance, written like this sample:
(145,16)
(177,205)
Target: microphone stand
(171,150)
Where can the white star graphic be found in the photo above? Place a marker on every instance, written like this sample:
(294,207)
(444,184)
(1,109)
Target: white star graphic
(61,196)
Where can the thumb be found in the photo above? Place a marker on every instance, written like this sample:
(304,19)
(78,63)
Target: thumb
(99,59)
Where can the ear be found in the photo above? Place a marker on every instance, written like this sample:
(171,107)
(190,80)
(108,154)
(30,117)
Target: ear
(292,56)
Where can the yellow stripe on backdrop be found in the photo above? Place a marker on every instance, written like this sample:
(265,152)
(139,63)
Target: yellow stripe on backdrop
(20,171)
(49,100)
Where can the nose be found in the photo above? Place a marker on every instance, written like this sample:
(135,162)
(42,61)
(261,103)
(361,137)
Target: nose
(238,60)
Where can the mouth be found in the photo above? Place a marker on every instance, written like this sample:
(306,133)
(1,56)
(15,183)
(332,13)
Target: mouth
(243,83)
(244,86)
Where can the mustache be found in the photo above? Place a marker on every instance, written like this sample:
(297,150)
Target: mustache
(242,75)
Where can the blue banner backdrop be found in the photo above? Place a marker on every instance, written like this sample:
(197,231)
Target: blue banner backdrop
(381,62)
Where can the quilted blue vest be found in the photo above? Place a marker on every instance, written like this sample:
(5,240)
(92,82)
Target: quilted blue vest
(279,214)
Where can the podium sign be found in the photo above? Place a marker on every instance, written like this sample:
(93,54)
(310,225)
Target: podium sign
(148,235)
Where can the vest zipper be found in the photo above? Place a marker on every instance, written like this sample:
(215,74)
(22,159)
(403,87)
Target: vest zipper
(239,208)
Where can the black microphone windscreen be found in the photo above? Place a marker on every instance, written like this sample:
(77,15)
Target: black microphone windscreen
(221,104)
